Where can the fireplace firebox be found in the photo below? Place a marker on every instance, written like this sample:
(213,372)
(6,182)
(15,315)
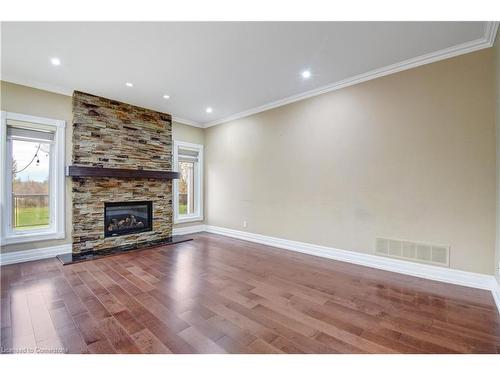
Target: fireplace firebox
(121,218)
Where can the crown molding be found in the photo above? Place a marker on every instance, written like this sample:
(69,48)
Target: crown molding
(187,122)
(490,32)
(37,85)
(486,41)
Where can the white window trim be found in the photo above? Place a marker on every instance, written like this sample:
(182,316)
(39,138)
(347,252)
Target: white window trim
(57,199)
(198,214)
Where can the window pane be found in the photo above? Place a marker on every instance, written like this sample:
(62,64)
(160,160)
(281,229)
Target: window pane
(30,184)
(186,188)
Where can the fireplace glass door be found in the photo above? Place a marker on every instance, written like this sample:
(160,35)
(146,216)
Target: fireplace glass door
(122,218)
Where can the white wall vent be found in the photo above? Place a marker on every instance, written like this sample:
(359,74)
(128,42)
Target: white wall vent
(414,251)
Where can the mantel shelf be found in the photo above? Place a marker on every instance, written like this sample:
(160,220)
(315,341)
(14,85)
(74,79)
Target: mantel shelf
(76,171)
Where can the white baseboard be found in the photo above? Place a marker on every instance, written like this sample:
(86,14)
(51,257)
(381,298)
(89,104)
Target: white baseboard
(35,254)
(496,296)
(189,229)
(447,275)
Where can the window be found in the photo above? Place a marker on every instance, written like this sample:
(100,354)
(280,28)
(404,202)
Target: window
(32,192)
(188,202)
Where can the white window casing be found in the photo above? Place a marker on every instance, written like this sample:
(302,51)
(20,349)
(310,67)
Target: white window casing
(192,152)
(55,230)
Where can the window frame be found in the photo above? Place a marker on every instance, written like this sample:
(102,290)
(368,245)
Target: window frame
(197,215)
(56,229)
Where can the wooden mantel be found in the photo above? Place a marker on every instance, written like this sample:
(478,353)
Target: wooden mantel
(76,171)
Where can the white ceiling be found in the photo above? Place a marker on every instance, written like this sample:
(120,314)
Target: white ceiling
(236,68)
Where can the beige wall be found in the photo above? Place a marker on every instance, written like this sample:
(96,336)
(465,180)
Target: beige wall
(30,101)
(410,156)
(497,71)
(187,133)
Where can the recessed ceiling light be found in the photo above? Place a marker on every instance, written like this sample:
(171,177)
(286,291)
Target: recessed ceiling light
(209,110)
(129,84)
(55,61)
(306,74)
(166,96)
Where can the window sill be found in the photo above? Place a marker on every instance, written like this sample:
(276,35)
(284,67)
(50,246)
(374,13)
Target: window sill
(187,219)
(32,237)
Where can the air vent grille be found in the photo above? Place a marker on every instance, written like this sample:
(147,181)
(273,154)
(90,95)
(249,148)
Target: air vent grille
(413,251)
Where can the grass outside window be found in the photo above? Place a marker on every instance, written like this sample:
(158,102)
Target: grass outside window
(31,217)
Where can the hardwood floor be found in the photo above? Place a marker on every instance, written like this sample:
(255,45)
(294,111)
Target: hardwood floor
(221,295)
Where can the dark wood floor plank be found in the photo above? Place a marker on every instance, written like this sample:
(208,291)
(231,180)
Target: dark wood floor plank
(200,342)
(232,346)
(22,332)
(128,322)
(88,328)
(117,336)
(72,340)
(221,295)
(131,277)
(101,346)
(73,304)
(238,319)
(5,312)
(204,327)
(170,339)
(43,327)
(274,321)
(231,331)
(261,347)
(169,318)
(148,343)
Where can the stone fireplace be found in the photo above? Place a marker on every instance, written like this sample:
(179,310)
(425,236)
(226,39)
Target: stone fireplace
(122,204)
